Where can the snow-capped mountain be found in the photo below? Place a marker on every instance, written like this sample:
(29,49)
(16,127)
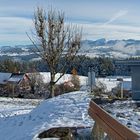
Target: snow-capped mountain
(111,48)
(19,52)
(100,47)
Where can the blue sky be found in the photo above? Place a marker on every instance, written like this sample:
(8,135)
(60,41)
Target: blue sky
(110,19)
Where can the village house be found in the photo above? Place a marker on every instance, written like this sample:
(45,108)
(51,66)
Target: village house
(12,84)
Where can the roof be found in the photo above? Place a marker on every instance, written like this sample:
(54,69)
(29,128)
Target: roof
(4,77)
(128,62)
(16,77)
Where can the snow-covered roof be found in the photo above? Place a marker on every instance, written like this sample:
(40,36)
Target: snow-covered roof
(4,77)
(129,62)
(16,78)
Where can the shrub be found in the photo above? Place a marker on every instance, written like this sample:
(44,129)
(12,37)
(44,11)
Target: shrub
(99,89)
(75,81)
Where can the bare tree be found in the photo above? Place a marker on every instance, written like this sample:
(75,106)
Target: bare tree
(54,40)
(35,80)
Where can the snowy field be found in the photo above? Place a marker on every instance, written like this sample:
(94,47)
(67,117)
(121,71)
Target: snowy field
(65,110)
(14,106)
(127,112)
(23,119)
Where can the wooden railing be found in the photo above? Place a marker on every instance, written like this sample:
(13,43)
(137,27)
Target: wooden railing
(105,123)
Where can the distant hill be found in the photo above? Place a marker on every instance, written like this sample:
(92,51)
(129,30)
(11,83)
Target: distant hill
(111,48)
(101,47)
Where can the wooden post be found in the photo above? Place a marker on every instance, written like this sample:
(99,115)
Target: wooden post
(97,132)
(121,89)
(13,90)
(91,79)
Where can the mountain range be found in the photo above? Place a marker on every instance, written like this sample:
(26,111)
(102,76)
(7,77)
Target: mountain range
(101,47)
(111,48)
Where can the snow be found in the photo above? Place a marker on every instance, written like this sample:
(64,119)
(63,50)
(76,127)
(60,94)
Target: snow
(127,112)
(111,82)
(65,78)
(65,110)
(20,120)
(4,77)
(14,106)
(14,79)
(16,54)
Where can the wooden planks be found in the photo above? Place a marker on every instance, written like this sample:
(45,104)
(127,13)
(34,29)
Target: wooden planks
(111,126)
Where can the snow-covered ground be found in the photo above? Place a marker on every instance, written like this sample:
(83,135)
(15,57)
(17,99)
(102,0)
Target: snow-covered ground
(110,81)
(127,112)
(64,110)
(65,78)
(14,106)
(20,120)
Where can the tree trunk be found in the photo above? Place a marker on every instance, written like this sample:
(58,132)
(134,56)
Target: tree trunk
(32,89)
(52,85)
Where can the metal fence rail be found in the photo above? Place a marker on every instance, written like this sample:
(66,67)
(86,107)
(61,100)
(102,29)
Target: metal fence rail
(106,123)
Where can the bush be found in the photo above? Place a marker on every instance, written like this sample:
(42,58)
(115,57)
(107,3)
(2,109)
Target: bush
(65,88)
(99,89)
(76,82)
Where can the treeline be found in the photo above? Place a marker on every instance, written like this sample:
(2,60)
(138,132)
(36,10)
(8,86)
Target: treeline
(12,66)
(103,66)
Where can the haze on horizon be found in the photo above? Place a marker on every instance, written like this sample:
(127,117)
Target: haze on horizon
(107,19)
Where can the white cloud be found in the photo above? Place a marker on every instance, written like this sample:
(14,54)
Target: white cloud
(14,22)
(13,26)
(97,31)
(13,30)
